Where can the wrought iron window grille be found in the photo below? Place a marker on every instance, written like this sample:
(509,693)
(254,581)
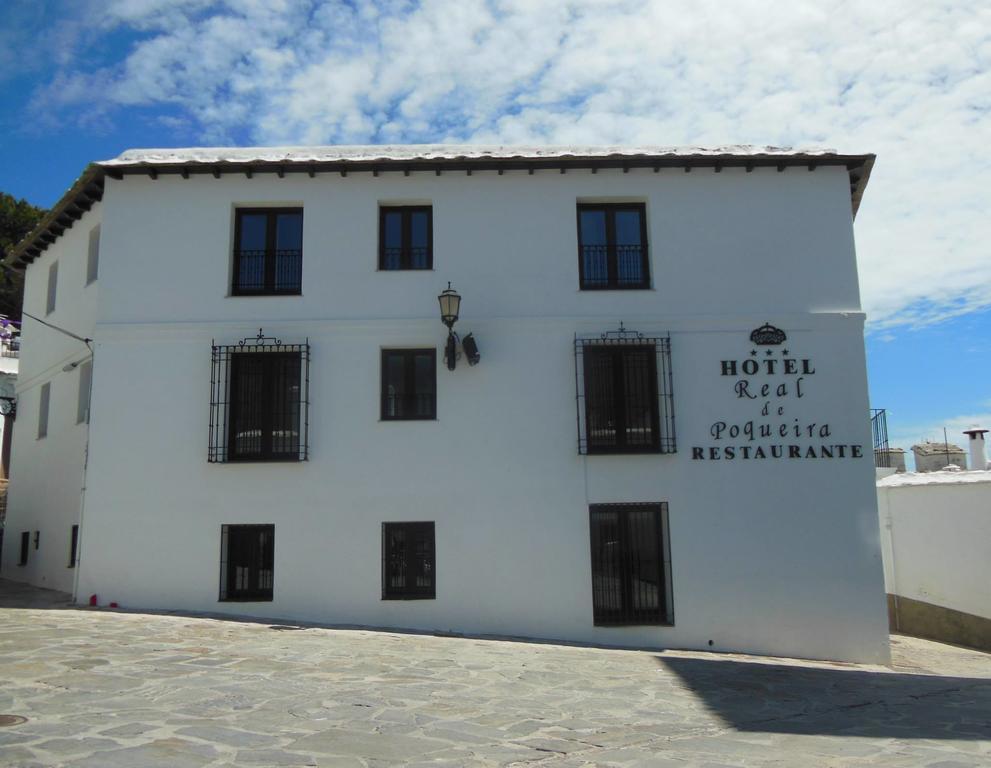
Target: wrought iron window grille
(259,400)
(624,393)
(409,562)
(247,562)
(631,564)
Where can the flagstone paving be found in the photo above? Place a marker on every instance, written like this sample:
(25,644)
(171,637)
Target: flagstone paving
(104,689)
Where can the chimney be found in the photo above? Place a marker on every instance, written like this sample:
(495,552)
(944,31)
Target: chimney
(978,456)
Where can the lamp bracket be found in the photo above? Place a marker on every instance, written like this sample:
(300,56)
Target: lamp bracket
(8,407)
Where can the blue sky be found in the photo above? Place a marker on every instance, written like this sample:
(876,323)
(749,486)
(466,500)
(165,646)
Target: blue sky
(85,79)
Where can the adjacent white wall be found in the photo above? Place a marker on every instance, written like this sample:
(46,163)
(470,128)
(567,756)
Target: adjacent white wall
(936,536)
(46,475)
(778,556)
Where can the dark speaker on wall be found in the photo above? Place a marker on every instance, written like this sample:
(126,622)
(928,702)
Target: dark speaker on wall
(471,349)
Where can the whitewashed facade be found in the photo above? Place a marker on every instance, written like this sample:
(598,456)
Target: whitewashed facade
(770,535)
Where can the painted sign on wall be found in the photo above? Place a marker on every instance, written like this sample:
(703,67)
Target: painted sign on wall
(767,385)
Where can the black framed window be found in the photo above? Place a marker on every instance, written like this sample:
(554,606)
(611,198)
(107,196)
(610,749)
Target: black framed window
(612,246)
(52,288)
(25,547)
(44,402)
(409,568)
(406,237)
(259,401)
(264,406)
(247,562)
(73,546)
(621,399)
(409,384)
(85,389)
(93,255)
(625,402)
(630,564)
(268,251)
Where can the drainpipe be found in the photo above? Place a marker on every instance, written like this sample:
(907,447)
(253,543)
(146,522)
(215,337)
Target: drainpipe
(82,490)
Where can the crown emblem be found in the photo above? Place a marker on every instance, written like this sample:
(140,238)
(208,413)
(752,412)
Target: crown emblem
(767,334)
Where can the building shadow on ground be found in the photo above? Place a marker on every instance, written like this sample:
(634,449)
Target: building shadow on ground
(14,594)
(779,698)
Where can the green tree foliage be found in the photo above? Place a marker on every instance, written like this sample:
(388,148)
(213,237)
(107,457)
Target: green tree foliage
(17,218)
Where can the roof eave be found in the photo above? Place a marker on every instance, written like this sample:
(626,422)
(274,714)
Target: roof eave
(88,188)
(74,204)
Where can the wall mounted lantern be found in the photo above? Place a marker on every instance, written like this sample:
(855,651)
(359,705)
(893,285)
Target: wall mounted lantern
(450,306)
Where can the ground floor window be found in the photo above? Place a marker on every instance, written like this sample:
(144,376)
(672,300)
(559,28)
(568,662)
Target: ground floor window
(247,560)
(408,564)
(631,575)
(73,546)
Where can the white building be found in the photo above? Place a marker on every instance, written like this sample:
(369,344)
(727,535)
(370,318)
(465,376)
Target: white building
(665,443)
(934,457)
(10,349)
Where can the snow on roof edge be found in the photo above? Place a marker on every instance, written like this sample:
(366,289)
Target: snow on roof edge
(366,153)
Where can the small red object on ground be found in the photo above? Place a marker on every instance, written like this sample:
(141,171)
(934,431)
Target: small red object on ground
(92,600)
(113,605)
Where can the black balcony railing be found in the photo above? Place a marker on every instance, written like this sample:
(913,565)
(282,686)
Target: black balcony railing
(614,266)
(268,272)
(414,257)
(879,431)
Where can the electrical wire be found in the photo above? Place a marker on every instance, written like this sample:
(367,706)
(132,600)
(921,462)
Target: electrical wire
(60,330)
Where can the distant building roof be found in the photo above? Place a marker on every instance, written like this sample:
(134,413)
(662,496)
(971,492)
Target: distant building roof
(934,449)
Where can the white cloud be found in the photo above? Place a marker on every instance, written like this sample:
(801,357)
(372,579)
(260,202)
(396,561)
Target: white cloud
(911,82)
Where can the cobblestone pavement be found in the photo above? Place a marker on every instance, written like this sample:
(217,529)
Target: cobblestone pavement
(105,689)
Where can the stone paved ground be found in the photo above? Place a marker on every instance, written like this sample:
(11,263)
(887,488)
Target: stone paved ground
(106,690)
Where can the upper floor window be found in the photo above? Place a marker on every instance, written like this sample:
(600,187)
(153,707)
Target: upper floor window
(85,387)
(268,251)
(258,409)
(406,237)
(612,246)
(625,404)
(52,288)
(93,255)
(44,399)
(409,384)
